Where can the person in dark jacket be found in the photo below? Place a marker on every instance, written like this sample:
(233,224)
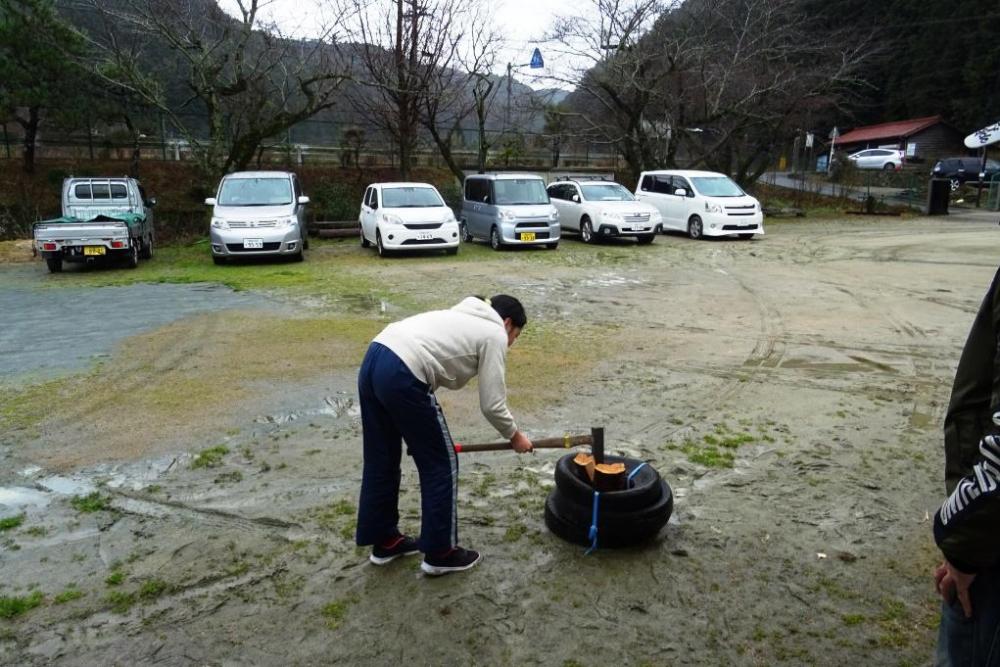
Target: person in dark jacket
(967,526)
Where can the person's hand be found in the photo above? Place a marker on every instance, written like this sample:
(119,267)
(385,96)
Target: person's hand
(951,582)
(521,444)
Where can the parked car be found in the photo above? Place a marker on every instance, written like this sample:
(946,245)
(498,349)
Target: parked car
(599,209)
(887,159)
(509,209)
(102,219)
(962,170)
(701,203)
(407,216)
(258,213)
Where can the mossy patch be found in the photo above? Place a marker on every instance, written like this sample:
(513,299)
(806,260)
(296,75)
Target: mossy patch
(68,595)
(92,502)
(11,522)
(210,457)
(16,605)
(335,612)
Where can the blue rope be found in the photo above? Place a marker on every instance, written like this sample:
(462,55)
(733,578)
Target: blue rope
(628,481)
(592,535)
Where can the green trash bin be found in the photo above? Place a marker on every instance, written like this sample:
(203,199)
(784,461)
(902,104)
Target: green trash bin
(938,194)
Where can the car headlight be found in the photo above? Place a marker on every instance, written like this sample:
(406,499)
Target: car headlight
(713,208)
(288,222)
(448,217)
(655,217)
(507,216)
(554,215)
(220,223)
(392,219)
(612,216)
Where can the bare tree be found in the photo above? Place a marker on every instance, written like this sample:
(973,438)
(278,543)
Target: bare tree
(709,82)
(405,45)
(243,81)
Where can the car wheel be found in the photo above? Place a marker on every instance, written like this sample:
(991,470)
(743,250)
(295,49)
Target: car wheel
(746,237)
(365,243)
(132,259)
(552,246)
(218,261)
(147,249)
(695,227)
(305,242)
(451,251)
(299,256)
(382,252)
(54,263)
(586,230)
(572,521)
(645,239)
(466,236)
(888,166)
(955,184)
(495,242)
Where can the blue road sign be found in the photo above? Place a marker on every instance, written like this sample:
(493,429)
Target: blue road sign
(536,60)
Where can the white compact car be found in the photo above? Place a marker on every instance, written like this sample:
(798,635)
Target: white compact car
(602,209)
(886,159)
(701,203)
(407,216)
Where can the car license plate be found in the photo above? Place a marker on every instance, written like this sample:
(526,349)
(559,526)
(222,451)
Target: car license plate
(527,236)
(253,244)
(93,250)
(424,236)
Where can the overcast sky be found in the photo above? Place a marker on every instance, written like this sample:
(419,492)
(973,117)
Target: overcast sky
(524,23)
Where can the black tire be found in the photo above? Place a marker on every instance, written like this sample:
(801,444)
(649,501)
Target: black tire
(451,251)
(495,241)
(382,252)
(305,242)
(365,243)
(586,230)
(746,237)
(552,246)
(299,256)
(696,228)
(644,492)
(55,264)
(147,248)
(132,258)
(888,166)
(218,261)
(466,235)
(571,521)
(645,239)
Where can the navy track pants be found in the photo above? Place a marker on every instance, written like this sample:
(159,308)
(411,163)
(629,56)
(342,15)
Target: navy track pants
(396,406)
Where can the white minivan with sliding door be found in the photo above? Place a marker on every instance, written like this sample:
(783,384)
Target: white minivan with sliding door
(701,203)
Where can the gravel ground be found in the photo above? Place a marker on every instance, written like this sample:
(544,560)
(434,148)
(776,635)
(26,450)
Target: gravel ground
(195,503)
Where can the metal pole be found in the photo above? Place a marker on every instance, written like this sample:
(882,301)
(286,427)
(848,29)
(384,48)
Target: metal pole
(90,138)
(6,140)
(506,120)
(163,136)
(979,179)
(597,446)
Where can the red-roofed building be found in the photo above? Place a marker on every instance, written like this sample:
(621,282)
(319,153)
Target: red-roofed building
(922,139)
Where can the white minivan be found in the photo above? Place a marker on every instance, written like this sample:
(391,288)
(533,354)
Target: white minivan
(407,216)
(701,203)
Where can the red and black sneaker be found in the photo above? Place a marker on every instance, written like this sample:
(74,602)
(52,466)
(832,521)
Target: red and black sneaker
(455,559)
(401,545)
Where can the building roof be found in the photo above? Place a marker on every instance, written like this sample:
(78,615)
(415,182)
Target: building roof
(894,130)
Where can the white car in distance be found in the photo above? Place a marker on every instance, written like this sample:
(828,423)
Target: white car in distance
(407,216)
(701,203)
(603,209)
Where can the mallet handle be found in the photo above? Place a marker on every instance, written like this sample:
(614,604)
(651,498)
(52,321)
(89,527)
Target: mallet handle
(564,442)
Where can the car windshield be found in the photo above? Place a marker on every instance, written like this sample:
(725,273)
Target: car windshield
(255,192)
(606,192)
(410,198)
(717,186)
(511,191)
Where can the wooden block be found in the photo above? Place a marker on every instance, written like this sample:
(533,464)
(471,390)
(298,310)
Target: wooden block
(609,477)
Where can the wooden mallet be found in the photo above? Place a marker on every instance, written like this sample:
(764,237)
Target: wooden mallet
(596,436)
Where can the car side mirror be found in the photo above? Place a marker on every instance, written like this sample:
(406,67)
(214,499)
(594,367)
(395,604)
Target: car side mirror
(210,201)
(486,199)
(576,198)
(151,202)
(681,192)
(303,199)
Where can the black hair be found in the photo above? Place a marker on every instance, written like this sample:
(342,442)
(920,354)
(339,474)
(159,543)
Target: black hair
(507,306)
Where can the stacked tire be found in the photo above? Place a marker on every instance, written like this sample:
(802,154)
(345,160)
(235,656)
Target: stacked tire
(624,518)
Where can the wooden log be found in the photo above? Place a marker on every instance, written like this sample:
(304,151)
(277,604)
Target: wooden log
(609,477)
(338,233)
(585,465)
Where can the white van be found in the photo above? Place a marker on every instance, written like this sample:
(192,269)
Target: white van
(701,203)
(258,213)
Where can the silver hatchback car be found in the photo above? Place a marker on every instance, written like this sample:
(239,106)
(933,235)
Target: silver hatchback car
(509,209)
(258,213)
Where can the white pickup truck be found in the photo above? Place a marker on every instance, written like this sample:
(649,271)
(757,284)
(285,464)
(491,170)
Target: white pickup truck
(102,218)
